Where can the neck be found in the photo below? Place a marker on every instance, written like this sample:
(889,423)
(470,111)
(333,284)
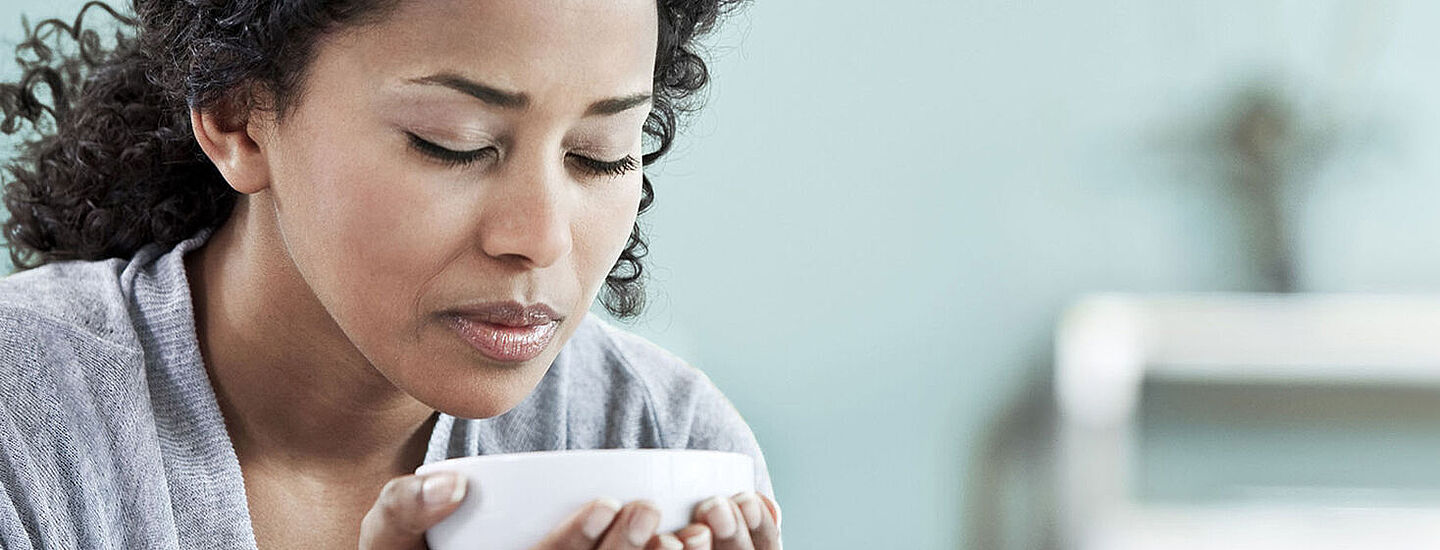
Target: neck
(294,391)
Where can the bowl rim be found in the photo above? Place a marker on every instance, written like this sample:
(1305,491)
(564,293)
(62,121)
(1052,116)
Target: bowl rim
(573,454)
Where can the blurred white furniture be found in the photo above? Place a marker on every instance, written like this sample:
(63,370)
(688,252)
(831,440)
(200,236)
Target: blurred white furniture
(1108,344)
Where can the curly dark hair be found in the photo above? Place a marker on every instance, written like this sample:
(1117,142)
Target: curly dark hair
(111,163)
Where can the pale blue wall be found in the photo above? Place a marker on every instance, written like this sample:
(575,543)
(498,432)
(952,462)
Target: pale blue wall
(866,239)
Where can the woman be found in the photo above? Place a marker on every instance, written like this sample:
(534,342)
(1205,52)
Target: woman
(290,250)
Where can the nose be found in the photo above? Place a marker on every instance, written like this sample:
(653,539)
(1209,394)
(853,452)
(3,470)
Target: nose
(527,215)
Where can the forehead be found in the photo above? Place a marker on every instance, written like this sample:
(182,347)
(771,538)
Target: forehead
(595,47)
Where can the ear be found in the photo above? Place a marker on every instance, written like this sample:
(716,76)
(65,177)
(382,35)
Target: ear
(232,141)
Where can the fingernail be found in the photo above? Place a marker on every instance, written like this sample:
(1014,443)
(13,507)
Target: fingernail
(669,542)
(642,525)
(442,488)
(699,540)
(717,513)
(600,517)
(750,507)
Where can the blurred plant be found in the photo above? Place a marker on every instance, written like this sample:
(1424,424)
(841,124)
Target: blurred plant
(1269,140)
(1267,148)
(1265,145)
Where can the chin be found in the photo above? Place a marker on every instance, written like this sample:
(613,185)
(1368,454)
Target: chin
(480,391)
(478,411)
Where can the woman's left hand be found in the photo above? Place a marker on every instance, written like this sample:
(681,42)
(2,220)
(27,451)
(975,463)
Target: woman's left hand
(747,521)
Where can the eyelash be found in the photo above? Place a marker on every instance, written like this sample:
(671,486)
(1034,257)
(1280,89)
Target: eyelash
(455,159)
(448,157)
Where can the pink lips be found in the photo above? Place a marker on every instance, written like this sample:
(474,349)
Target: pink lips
(506,331)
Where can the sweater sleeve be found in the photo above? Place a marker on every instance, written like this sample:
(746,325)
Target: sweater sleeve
(689,410)
(717,425)
(13,535)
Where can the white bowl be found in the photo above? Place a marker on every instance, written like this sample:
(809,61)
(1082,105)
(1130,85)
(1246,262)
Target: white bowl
(514,500)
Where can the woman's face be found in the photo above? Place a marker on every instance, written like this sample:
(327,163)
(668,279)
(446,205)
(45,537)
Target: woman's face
(456,162)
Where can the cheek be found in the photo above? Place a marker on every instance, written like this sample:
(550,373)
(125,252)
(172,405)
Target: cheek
(356,230)
(607,220)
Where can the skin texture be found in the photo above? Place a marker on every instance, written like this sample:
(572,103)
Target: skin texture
(320,301)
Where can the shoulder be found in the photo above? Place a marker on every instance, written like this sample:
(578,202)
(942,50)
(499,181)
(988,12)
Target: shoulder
(72,376)
(635,372)
(67,343)
(66,301)
(620,356)
(684,405)
(68,359)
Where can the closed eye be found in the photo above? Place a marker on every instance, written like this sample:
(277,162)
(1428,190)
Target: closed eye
(449,157)
(453,158)
(612,168)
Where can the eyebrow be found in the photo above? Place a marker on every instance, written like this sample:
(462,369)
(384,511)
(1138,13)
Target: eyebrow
(517,100)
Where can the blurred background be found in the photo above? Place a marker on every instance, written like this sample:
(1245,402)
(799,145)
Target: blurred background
(874,233)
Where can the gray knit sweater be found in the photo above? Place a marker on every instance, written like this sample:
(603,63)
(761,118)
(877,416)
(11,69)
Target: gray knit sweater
(110,436)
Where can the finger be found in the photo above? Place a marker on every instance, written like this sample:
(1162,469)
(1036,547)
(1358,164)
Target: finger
(407,506)
(727,528)
(665,541)
(763,526)
(582,528)
(633,528)
(774,510)
(695,536)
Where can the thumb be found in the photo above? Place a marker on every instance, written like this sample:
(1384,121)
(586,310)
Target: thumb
(407,507)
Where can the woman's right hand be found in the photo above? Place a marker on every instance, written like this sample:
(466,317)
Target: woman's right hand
(411,504)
